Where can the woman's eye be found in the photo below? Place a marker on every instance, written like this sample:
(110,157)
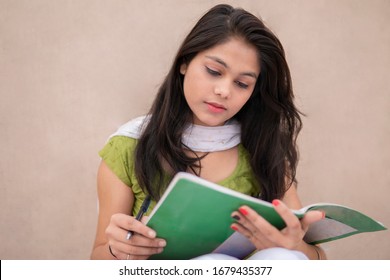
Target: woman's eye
(242,85)
(213,72)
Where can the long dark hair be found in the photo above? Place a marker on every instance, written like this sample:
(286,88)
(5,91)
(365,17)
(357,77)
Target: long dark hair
(270,121)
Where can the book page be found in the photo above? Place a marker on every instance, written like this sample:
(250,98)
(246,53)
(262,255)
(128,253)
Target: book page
(236,245)
(327,229)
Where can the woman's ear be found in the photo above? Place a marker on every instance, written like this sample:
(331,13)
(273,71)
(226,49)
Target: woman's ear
(183,69)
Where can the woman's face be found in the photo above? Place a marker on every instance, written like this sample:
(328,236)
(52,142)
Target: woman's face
(220,80)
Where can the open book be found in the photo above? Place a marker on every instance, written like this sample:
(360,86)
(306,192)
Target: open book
(193,216)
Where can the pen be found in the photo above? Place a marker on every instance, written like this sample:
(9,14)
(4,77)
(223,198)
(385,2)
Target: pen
(142,211)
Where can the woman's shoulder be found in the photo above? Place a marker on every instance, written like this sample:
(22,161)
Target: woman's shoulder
(119,151)
(133,128)
(118,154)
(120,142)
(125,138)
(119,147)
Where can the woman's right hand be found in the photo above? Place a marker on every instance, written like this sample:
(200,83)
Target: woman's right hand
(142,244)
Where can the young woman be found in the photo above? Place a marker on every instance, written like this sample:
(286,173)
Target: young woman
(225,112)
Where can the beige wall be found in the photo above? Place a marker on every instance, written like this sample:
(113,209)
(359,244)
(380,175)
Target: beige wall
(72,71)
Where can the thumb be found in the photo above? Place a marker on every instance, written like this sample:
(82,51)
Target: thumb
(311,217)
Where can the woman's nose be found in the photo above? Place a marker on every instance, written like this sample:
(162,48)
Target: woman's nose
(222,89)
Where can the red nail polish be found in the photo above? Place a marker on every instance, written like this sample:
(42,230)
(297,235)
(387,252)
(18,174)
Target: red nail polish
(275,202)
(243,211)
(233,227)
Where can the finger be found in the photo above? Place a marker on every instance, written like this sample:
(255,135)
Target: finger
(125,256)
(243,225)
(137,245)
(241,229)
(310,218)
(292,222)
(129,223)
(125,249)
(134,257)
(255,237)
(258,226)
(139,240)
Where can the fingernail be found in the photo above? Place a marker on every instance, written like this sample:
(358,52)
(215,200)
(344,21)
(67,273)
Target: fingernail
(236,217)
(233,227)
(162,243)
(243,211)
(151,233)
(323,215)
(275,202)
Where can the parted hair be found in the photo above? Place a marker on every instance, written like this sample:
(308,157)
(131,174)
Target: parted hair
(270,122)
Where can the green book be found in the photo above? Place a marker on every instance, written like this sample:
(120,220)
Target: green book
(193,216)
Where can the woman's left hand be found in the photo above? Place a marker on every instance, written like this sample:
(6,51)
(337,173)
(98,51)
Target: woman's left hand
(264,235)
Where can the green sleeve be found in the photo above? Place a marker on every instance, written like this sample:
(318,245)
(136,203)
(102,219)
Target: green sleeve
(118,154)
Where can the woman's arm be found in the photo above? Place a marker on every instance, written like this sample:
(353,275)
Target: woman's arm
(116,201)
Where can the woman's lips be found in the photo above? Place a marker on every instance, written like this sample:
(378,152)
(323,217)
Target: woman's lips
(215,107)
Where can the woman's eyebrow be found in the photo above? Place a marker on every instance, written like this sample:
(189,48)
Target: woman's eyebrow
(224,64)
(216,59)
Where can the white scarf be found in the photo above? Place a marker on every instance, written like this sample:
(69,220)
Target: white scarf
(198,138)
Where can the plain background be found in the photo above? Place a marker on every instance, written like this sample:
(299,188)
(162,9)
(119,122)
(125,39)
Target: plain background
(71,72)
